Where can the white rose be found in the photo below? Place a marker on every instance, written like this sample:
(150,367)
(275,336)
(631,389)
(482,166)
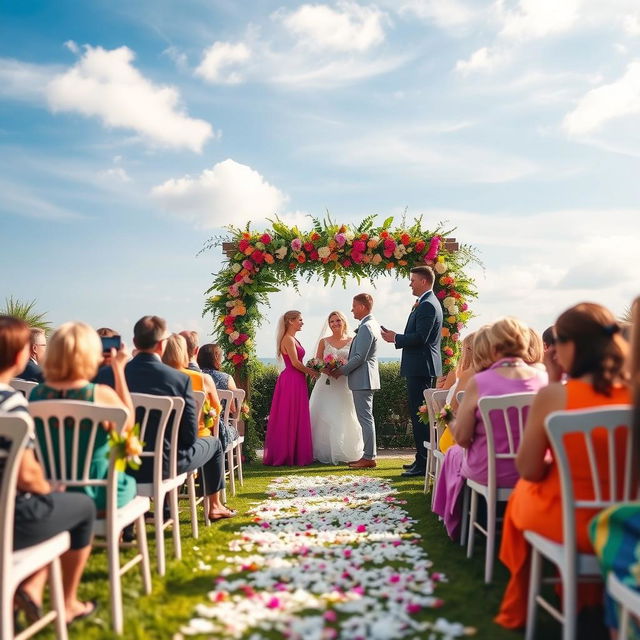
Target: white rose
(235,267)
(324,252)
(234,336)
(453,310)
(349,235)
(448,301)
(399,251)
(440,267)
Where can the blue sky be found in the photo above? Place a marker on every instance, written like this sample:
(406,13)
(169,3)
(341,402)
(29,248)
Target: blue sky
(131,132)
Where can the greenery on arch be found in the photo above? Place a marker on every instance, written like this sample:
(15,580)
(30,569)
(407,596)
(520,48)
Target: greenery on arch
(266,261)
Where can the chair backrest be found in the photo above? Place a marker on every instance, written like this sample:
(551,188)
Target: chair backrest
(23,386)
(226,399)
(239,396)
(512,409)
(13,433)
(438,400)
(606,435)
(166,412)
(66,436)
(199,397)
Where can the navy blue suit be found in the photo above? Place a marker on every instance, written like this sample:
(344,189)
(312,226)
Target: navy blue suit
(146,373)
(32,372)
(421,362)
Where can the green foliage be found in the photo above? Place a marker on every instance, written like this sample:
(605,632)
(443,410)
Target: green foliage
(25,311)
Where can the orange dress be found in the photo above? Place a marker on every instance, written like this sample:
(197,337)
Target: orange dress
(197,382)
(537,506)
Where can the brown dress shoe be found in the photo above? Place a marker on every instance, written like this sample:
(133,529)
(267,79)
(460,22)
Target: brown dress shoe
(363,463)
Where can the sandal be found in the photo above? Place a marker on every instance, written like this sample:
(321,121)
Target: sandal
(24,602)
(86,614)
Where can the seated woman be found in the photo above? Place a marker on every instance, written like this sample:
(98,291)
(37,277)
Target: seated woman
(72,360)
(590,349)
(176,355)
(210,361)
(535,352)
(509,373)
(41,512)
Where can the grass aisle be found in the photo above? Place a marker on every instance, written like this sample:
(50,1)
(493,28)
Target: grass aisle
(175,597)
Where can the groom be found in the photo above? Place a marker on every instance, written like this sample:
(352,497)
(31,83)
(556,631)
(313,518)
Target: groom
(362,376)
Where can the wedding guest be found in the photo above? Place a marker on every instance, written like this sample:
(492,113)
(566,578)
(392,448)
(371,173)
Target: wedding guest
(176,355)
(38,347)
(288,437)
(535,352)
(547,339)
(210,361)
(72,360)
(421,361)
(41,512)
(591,351)
(509,373)
(146,373)
(193,342)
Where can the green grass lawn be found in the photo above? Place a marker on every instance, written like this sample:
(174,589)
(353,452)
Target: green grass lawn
(159,615)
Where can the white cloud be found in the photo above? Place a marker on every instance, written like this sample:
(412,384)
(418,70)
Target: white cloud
(349,27)
(447,14)
(227,193)
(631,24)
(105,84)
(116,173)
(605,103)
(220,61)
(484,59)
(534,19)
(24,81)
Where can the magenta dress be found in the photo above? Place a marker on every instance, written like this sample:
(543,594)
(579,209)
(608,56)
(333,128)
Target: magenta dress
(460,464)
(288,438)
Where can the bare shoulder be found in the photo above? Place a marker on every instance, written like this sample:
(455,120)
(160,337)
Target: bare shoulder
(104,394)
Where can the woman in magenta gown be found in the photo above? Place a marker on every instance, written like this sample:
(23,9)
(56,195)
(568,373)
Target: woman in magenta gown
(288,438)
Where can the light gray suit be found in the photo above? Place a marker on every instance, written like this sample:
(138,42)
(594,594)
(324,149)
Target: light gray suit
(363,379)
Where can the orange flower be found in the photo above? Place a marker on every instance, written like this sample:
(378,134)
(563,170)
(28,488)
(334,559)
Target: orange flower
(301,258)
(445,332)
(402,263)
(268,258)
(332,244)
(249,250)
(333,256)
(389,265)
(342,229)
(292,265)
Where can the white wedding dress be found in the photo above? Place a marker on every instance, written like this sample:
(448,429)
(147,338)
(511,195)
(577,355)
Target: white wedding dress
(335,430)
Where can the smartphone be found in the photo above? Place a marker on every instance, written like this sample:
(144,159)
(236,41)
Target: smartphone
(111,342)
(384,328)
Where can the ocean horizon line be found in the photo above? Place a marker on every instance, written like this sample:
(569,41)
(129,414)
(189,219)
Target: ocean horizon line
(273,360)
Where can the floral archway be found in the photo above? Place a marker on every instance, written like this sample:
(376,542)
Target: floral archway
(260,263)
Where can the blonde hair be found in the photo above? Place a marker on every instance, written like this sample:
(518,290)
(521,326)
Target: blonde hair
(481,356)
(535,349)
(74,353)
(175,353)
(283,324)
(345,324)
(509,338)
(466,356)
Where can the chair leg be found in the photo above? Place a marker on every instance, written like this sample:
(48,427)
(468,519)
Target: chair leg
(473,513)
(159,524)
(623,632)
(143,549)
(465,515)
(232,478)
(490,551)
(191,490)
(175,516)
(115,583)
(569,605)
(435,482)
(57,600)
(239,455)
(534,588)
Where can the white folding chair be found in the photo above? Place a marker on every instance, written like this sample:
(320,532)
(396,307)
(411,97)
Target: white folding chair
(168,411)
(435,400)
(234,420)
(16,566)
(194,500)
(629,601)
(599,428)
(512,409)
(23,386)
(226,398)
(72,424)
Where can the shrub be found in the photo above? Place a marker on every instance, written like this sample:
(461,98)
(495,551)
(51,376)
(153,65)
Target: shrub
(390,410)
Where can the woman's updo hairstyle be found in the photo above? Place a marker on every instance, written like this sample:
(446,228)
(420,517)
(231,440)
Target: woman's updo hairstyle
(509,338)
(481,356)
(600,349)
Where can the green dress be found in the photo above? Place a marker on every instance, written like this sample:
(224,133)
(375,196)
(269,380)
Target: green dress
(99,466)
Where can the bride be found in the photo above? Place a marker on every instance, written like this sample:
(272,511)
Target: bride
(337,435)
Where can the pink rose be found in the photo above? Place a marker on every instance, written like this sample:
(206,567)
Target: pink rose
(247,264)
(296,244)
(359,246)
(340,238)
(265,238)
(434,246)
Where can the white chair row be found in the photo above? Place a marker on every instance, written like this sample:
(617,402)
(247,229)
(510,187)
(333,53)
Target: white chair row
(233,451)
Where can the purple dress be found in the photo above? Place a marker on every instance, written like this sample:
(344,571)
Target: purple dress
(288,438)
(460,464)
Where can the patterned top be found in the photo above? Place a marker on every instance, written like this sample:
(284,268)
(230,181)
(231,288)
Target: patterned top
(13,402)
(220,378)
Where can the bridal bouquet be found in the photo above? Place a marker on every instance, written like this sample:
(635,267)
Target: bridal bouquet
(127,447)
(316,364)
(331,363)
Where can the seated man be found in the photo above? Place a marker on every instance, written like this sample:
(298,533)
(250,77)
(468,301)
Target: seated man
(33,371)
(146,373)
(193,346)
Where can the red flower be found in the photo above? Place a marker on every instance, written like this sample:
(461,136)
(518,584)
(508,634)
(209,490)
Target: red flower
(405,238)
(384,234)
(313,255)
(241,339)
(357,257)
(237,359)
(434,246)
(315,236)
(420,245)
(243,244)
(359,246)
(228,320)
(238,277)
(308,246)
(257,256)
(265,238)
(346,263)
(292,265)
(301,258)
(441,294)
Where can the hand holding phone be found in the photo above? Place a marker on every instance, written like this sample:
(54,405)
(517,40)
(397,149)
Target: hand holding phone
(110,342)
